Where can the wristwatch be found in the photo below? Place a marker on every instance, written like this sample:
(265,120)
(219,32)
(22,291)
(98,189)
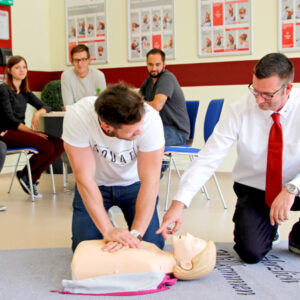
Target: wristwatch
(292,189)
(136,234)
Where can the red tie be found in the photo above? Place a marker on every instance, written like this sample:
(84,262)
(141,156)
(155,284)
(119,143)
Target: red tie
(274,163)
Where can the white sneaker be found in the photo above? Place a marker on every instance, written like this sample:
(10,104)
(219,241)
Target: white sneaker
(2,207)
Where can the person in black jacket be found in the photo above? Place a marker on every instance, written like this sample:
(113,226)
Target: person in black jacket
(14,96)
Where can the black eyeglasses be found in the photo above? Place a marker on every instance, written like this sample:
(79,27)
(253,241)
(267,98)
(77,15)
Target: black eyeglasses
(78,60)
(266,96)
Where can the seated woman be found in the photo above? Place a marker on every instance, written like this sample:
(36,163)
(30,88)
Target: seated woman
(14,96)
(192,258)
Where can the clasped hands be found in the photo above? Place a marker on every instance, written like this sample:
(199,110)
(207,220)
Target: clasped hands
(119,238)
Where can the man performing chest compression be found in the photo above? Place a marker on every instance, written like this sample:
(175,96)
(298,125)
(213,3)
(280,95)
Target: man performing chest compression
(116,160)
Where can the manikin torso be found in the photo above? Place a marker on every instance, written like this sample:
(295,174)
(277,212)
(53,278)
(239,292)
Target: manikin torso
(90,260)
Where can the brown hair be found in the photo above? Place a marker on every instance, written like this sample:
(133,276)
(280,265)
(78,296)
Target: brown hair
(274,64)
(119,105)
(80,48)
(157,51)
(24,87)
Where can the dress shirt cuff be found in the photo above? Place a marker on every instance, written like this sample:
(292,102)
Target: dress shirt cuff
(184,196)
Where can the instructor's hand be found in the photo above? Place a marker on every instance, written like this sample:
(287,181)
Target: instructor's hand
(281,207)
(119,238)
(172,216)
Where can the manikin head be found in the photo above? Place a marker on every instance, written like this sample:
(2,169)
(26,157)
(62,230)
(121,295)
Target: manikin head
(196,257)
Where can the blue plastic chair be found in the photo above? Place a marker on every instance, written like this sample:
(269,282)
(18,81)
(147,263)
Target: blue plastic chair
(211,119)
(192,109)
(27,151)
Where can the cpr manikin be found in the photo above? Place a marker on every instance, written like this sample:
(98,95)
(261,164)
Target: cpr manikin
(192,258)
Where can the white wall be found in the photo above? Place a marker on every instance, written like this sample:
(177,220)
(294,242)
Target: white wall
(39,35)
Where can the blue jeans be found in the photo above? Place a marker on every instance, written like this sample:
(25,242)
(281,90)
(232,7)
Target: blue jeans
(172,136)
(124,197)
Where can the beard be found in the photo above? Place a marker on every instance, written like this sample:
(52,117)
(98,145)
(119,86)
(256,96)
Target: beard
(157,74)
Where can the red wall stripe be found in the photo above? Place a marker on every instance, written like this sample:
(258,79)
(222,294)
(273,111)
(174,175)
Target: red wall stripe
(200,74)
(7,43)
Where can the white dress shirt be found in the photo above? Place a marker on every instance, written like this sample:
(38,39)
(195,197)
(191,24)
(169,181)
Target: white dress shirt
(249,125)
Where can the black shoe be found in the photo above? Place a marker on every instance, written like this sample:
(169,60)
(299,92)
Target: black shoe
(294,238)
(24,182)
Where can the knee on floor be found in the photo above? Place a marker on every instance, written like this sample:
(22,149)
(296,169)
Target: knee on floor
(249,255)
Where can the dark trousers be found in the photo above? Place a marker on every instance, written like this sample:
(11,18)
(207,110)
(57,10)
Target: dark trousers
(83,227)
(253,232)
(2,154)
(49,150)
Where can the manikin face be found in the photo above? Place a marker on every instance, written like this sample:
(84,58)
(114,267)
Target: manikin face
(155,65)
(19,70)
(185,248)
(269,86)
(125,132)
(81,62)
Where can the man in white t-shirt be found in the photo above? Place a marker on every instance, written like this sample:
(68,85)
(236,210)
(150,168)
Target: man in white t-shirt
(81,81)
(116,160)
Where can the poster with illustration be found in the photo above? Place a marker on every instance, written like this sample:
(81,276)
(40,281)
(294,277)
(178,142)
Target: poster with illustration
(289,24)
(224,27)
(86,24)
(150,25)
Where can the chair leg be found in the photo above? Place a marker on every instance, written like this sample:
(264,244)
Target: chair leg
(175,165)
(206,192)
(111,217)
(52,178)
(168,184)
(220,192)
(29,176)
(65,174)
(14,175)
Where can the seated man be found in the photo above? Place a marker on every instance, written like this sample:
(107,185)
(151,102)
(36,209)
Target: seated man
(161,90)
(81,81)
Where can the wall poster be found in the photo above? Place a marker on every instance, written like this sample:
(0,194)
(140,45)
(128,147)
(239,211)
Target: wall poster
(86,23)
(224,27)
(4,25)
(150,25)
(289,25)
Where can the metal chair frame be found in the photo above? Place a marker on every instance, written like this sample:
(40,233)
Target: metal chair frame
(27,151)
(192,153)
